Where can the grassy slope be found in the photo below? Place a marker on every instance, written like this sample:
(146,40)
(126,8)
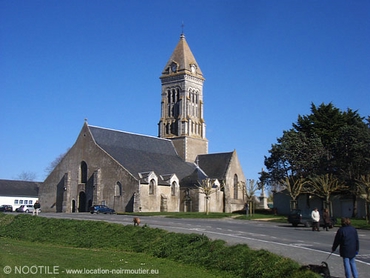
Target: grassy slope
(24,253)
(189,249)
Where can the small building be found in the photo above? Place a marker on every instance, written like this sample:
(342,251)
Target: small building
(341,205)
(17,193)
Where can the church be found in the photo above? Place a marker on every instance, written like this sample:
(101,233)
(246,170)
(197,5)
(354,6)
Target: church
(138,173)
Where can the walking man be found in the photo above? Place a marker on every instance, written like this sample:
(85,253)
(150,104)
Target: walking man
(36,208)
(347,238)
(315,215)
(326,218)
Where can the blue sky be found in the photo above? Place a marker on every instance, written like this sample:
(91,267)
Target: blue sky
(264,62)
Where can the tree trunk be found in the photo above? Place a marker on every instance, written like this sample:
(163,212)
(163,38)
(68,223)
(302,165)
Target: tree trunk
(207,205)
(354,206)
(293,204)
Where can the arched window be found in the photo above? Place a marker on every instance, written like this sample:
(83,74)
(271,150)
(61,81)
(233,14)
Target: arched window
(118,189)
(83,172)
(236,186)
(168,96)
(168,128)
(173,95)
(152,187)
(173,189)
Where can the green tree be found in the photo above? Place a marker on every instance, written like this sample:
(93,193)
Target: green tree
(295,154)
(352,151)
(333,127)
(327,141)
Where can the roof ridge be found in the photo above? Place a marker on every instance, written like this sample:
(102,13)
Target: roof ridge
(128,132)
(208,154)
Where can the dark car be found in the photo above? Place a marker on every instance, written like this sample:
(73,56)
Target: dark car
(101,209)
(5,208)
(303,217)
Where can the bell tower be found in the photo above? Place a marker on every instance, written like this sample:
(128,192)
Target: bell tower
(182,103)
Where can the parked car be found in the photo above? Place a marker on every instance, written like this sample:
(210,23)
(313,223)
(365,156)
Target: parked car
(101,209)
(26,208)
(5,208)
(303,217)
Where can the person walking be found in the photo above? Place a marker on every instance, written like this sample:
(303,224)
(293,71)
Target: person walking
(315,215)
(36,208)
(347,238)
(326,219)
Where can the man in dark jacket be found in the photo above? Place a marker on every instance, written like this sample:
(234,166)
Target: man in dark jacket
(36,208)
(347,238)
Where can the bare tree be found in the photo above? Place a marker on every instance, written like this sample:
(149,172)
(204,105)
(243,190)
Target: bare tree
(26,176)
(207,187)
(324,185)
(364,189)
(55,162)
(250,189)
(295,187)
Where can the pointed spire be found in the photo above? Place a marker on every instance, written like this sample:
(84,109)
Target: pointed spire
(182,61)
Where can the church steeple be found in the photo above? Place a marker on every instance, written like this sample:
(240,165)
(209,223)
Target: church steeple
(182,61)
(182,103)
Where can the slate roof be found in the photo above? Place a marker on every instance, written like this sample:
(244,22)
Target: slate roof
(215,165)
(14,188)
(141,153)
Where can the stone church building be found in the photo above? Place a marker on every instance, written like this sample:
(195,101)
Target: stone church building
(131,172)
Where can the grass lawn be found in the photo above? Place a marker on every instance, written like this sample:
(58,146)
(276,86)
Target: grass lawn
(358,223)
(56,261)
(70,248)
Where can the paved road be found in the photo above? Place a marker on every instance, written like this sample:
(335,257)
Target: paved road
(297,243)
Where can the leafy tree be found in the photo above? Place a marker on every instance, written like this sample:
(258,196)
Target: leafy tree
(327,141)
(352,151)
(332,125)
(296,154)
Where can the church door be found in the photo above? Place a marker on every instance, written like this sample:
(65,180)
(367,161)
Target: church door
(82,202)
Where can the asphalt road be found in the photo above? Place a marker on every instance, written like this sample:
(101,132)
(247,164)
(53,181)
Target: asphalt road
(298,243)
